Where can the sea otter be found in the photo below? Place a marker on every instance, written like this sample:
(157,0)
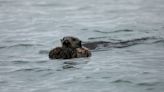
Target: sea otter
(71,48)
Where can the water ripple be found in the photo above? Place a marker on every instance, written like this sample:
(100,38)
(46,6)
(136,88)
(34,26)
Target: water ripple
(43,51)
(20,62)
(20,45)
(32,69)
(68,66)
(148,83)
(116,31)
(121,81)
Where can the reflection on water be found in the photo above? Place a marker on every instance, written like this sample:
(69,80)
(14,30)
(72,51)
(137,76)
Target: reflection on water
(126,38)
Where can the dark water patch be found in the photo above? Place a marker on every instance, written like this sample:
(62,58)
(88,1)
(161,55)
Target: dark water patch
(148,83)
(4,2)
(41,61)
(98,31)
(43,51)
(85,29)
(47,74)
(67,66)
(26,62)
(92,38)
(1,47)
(88,77)
(121,81)
(116,31)
(115,40)
(20,62)
(106,77)
(146,73)
(26,70)
(41,70)
(70,63)
(44,5)
(16,40)
(32,70)
(3,82)
(124,30)
(104,37)
(120,44)
(48,4)
(22,45)
(58,69)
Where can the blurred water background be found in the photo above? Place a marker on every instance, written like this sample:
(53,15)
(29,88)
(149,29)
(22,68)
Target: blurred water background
(30,28)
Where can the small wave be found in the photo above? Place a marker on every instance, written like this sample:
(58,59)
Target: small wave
(116,31)
(41,61)
(84,29)
(21,45)
(26,45)
(26,61)
(68,66)
(91,38)
(40,70)
(148,83)
(47,4)
(70,63)
(121,81)
(26,69)
(20,62)
(106,77)
(32,69)
(47,74)
(104,37)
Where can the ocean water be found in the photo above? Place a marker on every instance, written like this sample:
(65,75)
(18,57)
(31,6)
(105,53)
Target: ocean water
(30,28)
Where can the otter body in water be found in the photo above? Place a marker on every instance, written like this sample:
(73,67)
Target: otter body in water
(71,48)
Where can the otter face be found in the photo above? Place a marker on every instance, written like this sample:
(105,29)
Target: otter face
(71,42)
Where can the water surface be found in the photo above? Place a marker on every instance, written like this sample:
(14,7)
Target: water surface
(30,28)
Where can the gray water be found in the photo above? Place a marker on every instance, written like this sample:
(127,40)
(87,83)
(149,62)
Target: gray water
(30,28)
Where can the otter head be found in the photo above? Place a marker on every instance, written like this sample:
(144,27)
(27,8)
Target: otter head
(71,42)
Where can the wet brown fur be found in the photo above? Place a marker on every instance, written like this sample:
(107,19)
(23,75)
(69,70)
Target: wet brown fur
(71,48)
